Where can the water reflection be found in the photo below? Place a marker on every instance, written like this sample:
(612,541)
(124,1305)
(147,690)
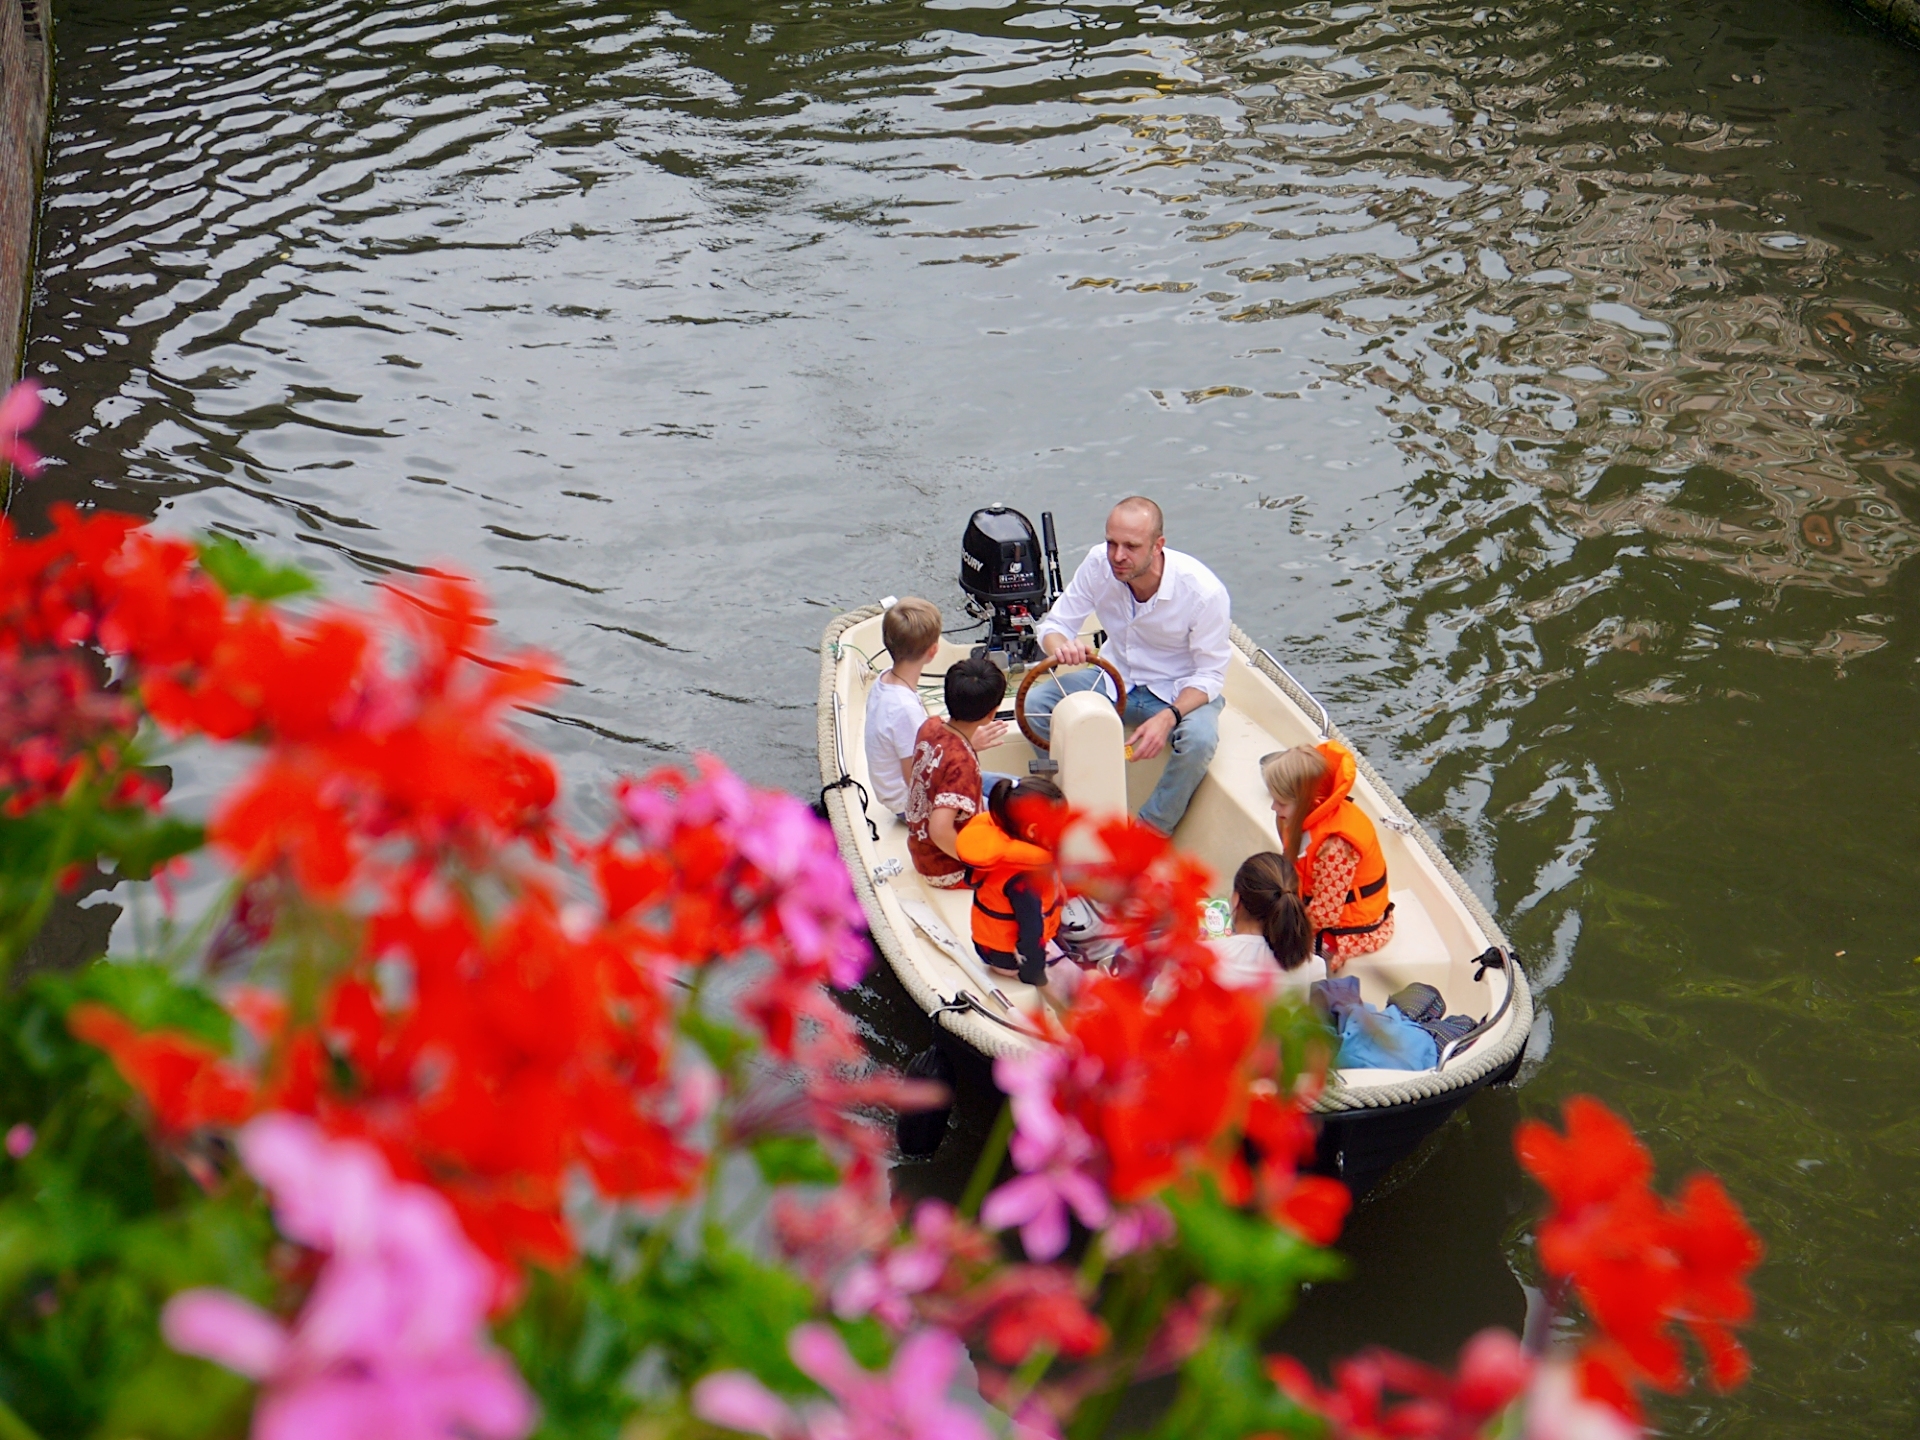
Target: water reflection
(1554,286)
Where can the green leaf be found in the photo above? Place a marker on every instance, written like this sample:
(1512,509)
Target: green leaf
(98,1230)
(722,1043)
(595,1349)
(86,1357)
(793,1160)
(138,843)
(1260,1263)
(149,996)
(867,1341)
(167,1396)
(1306,1041)
(241,572)
(1225,1394)
(24,1244)
(38,847)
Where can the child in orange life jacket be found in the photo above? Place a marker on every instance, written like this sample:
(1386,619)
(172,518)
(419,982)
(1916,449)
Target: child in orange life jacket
(1016,908)
(1343,875)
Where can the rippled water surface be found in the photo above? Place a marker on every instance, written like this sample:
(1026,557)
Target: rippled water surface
(1540,377)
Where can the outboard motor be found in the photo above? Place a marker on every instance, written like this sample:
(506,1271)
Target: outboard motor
(1002,569)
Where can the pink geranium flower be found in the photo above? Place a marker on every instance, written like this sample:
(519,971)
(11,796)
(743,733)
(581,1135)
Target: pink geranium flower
(19,413)
(1556,1410)
(885,1286)
(806,883)
(908,1402)
(1040,1131)
(391,1342)
(1051,1149)
(1038,1205)
(1145,1226)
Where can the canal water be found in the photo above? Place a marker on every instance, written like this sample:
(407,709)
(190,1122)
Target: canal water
(1540,377)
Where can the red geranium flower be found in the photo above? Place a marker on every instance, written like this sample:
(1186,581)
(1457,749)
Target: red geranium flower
(1034,1305)
(1166,1073)
(1640,1264)
(186,1082)
(1378,1395)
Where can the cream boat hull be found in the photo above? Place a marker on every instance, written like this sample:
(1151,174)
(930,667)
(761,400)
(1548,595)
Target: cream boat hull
(1441,929)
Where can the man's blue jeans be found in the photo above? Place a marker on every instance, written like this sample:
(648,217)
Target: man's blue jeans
(1191,746)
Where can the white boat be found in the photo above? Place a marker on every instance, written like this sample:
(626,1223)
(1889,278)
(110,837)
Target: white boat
(1443,934)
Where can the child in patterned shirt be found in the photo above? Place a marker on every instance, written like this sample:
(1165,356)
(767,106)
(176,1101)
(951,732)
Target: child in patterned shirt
(943,792)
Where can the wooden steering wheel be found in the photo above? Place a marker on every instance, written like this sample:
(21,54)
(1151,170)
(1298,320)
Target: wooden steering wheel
(1034,672)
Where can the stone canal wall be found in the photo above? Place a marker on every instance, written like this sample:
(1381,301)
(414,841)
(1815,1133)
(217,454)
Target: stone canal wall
(1900,15)
(26,88)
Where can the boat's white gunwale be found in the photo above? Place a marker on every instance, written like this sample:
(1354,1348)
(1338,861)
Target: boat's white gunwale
(887,922)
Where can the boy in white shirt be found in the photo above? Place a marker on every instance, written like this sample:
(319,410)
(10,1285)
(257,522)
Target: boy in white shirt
(911,632)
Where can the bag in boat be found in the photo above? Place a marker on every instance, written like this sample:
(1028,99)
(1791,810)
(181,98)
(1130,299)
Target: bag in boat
(1371,1038)
(1084,934)
(1426,1007)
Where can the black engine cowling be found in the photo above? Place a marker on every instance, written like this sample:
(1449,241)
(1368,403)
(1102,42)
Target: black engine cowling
(1000,557)
(1002,568)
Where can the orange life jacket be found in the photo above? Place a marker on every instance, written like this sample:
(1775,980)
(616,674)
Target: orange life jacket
(1334,813)
(996,857)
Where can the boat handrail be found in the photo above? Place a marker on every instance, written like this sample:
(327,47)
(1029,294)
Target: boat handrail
(1326,720)
(1492,959)
(839,738)
(840,764)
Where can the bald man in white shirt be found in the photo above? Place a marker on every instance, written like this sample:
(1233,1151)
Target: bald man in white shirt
(1167,621)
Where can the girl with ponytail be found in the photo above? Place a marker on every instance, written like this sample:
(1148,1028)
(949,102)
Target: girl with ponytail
(1271,945)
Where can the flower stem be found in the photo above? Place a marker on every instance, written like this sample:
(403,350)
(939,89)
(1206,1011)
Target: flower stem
(1140,1304)
(1031,1372)
(22,932)
(987,1167)
(1093,1265)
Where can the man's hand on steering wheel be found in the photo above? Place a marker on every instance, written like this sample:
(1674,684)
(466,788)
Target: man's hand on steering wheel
(1151,738)
(1056,658)
(1068,652)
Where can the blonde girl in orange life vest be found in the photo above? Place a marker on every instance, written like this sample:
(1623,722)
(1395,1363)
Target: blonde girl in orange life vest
(1343,875)
(1016,905)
